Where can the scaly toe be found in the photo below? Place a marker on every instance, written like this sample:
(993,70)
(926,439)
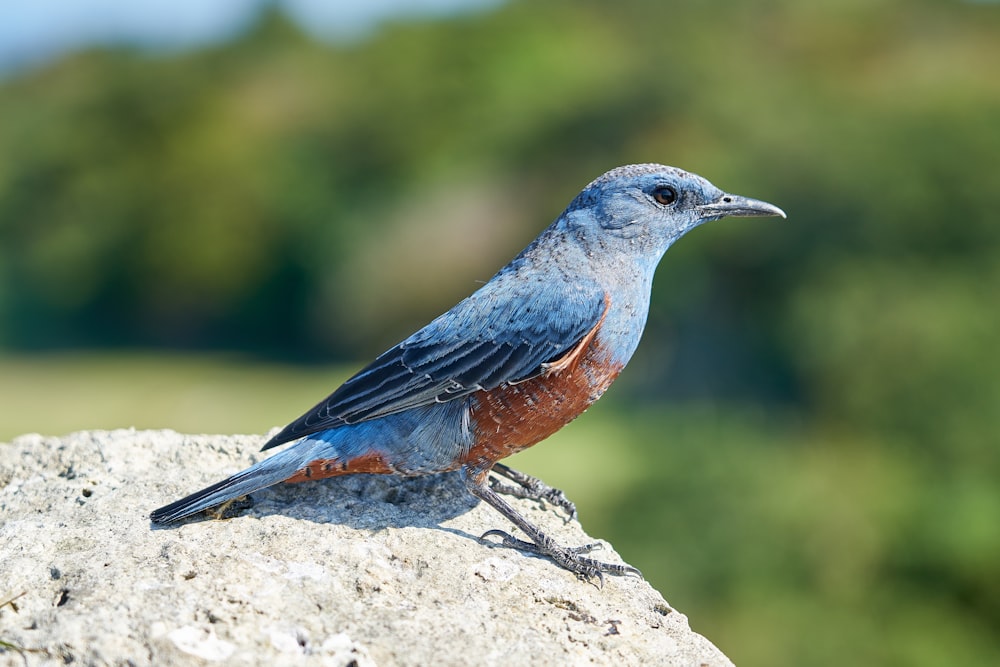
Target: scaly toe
(585,548)
(508,540)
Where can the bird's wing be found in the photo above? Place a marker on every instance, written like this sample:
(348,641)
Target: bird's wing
(495,336)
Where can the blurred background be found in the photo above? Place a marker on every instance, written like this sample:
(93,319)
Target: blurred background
(211,213)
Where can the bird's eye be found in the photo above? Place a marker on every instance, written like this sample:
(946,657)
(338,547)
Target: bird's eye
(665,195)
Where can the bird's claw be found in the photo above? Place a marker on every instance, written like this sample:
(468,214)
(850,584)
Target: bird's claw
(508,540)
(532,488)
(557,498)
(569,558)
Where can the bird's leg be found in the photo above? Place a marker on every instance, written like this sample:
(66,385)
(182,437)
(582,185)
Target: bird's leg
(569,558)
(531,488)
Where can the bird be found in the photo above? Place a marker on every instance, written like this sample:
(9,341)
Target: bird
(508,366)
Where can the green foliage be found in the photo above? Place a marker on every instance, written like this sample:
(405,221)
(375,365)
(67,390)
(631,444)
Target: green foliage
(804,452)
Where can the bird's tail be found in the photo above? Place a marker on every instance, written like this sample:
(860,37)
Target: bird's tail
(265,473)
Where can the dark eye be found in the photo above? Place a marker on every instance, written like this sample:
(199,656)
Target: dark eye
(665,195)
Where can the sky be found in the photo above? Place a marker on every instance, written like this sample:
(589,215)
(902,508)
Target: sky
(33,32)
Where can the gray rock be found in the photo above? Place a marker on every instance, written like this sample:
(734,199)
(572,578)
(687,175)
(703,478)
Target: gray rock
(360,570)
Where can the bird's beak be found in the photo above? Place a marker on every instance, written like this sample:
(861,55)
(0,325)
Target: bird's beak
(739,207)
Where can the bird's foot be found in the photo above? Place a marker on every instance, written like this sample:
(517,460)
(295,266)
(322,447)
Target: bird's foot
(531,488)
(569,558)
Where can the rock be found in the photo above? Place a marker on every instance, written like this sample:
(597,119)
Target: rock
(360,570)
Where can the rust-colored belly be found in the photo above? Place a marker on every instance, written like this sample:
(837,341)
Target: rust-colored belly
(514,417)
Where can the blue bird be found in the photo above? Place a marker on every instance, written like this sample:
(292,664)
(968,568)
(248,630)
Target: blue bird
(508,366)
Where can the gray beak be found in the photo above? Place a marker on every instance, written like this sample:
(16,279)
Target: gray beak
(739,207)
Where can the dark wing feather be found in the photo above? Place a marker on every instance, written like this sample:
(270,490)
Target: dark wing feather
(497,335)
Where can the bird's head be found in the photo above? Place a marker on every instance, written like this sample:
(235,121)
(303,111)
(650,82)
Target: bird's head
(647,207)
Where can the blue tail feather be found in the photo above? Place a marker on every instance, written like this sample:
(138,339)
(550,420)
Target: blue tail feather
(258,476)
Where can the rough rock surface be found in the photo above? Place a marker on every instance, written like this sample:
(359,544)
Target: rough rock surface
(361,570)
